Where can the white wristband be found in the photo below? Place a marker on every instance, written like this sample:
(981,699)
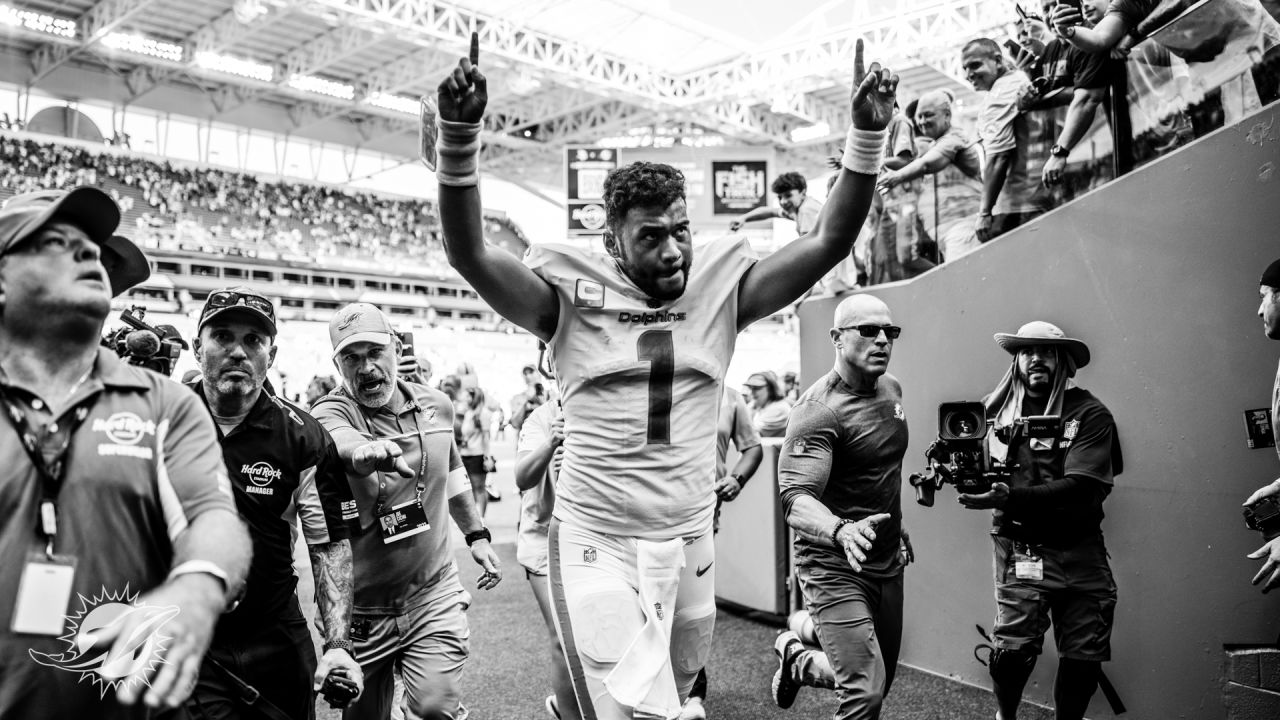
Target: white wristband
(210,568)
(863,150)
(458,153)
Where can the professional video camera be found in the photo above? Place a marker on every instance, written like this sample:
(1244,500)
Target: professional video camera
(960,456)
(137,343)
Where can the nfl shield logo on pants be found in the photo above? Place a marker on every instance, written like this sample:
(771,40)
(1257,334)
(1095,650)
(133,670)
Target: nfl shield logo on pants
(589,555)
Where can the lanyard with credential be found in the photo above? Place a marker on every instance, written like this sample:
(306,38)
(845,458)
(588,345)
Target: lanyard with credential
(52,473)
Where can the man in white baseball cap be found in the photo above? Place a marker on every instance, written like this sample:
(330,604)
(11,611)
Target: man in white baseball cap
(396,440)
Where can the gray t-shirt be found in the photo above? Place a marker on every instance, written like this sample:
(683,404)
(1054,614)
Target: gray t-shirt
(846,450)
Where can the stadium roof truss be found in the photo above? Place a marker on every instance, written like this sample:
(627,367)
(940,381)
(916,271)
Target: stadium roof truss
(350,71)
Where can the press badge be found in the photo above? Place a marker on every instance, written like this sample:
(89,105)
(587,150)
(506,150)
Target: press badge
(43,593)
(403,520)
(1028,567)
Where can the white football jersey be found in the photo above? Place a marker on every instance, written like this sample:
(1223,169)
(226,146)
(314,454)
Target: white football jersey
(641,389)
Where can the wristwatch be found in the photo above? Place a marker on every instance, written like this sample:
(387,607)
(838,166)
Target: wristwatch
(482,534)
(1058,151)
(338,645)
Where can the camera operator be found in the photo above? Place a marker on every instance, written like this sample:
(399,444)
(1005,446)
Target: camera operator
(284,467)
(113,484)
(840,475)
(1050,558)
(155,348)
(1269,311)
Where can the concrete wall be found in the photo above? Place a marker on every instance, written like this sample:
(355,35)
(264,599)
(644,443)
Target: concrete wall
(1159,274)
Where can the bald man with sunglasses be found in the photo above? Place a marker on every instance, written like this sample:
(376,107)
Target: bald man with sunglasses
(840,475)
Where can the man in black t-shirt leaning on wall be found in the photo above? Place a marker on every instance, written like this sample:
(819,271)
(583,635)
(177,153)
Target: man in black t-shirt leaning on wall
(1050,558)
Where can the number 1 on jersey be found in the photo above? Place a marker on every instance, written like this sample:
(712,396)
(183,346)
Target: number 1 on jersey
(656,347)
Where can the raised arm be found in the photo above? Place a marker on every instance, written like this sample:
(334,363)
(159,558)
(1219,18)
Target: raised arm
(760,213)
(1100,38)
(779,279)
(933,161)
(504,282)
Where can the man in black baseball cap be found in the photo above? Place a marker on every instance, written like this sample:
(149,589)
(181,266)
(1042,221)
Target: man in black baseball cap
(239,301)
(284,470)
(87,208)
(1269,311)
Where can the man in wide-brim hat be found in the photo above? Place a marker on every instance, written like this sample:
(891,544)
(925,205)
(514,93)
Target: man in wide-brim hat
(1050,559)
(1269,313)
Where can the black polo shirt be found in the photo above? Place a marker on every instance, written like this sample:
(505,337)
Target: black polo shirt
(283,467)
(1087,448)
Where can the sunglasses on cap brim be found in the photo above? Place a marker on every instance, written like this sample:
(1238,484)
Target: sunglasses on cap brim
(230,298)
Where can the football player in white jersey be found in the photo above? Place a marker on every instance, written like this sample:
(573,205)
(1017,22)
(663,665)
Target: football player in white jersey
(640,338)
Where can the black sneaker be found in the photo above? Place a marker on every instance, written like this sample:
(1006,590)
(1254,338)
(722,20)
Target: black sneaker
(787,647)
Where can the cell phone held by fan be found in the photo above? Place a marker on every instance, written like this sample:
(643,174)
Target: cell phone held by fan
(1077,4)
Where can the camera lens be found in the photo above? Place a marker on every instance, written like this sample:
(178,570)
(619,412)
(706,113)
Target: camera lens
(963,425)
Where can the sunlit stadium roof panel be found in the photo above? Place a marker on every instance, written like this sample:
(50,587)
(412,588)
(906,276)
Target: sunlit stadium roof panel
(561,71)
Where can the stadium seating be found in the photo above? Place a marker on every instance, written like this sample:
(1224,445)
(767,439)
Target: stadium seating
(230,213)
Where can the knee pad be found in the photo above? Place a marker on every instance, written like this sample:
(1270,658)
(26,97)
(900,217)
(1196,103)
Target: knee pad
(691,638)
(1011,666)
(801,623)
(605,622)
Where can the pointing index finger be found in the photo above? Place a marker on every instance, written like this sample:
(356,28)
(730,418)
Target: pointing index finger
(859,66)
(474,54)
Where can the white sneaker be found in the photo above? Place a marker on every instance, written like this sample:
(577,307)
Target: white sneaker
(552,709)
(693,710)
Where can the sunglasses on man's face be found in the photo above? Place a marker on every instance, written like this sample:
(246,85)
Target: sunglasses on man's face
(227,298)
(869,331)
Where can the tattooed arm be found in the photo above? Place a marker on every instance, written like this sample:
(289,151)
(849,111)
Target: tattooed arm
(331,568)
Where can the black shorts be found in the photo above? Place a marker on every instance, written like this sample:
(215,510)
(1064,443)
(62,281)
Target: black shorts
(474,464)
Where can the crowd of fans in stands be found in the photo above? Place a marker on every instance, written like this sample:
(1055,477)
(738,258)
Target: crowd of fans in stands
(1112,78)
(235,213)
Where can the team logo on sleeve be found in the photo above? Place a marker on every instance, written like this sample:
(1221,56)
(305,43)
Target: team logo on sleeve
(1070,429)
(588,294)
(898,412)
